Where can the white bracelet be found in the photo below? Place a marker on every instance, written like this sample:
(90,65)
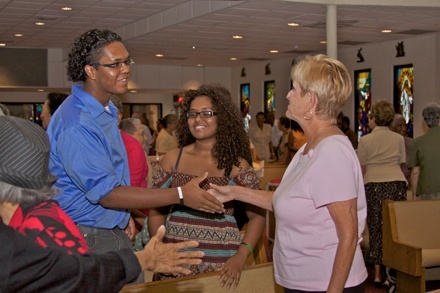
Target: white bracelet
(179,190)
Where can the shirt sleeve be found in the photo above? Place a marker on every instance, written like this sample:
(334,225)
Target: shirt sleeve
(413,155)
(402,151)
(335,173)
(27,267)
(362,152)
(81,148)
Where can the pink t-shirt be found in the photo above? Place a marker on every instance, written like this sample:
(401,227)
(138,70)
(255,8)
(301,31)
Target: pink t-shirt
(306,238)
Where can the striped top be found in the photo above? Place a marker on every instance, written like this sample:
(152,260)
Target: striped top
(217,234)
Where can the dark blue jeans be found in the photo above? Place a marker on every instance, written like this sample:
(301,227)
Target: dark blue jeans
(104,240)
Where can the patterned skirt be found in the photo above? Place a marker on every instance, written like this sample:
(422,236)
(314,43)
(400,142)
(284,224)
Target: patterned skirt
(375,193)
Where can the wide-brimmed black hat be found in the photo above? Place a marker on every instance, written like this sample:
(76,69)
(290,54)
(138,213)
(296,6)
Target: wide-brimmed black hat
(24,154)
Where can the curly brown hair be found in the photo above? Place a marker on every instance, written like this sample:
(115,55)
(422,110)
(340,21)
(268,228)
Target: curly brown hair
(87,50)
(232,141)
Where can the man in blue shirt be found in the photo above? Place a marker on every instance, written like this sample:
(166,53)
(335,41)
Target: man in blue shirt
(87,153)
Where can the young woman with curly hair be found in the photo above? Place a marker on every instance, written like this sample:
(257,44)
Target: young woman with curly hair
(211,139)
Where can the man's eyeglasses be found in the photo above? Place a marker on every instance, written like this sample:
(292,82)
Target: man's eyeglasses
(202,114)
(118,65)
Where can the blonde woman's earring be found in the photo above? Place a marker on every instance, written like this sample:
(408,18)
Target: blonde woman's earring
(308,115)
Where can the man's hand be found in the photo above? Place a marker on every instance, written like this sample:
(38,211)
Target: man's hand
(222,193)
(166,258)
(196,198)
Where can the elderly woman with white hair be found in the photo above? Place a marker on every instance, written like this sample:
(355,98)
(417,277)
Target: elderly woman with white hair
(320,205)
(26,189)
(424,158)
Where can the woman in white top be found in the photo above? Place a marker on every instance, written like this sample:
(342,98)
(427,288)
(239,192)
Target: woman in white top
(381,154)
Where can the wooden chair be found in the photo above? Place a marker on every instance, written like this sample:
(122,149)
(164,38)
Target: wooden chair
(411,242)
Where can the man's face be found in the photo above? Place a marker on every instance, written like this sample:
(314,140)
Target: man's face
(105,79)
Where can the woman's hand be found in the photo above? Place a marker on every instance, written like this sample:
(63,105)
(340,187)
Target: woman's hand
(222,193)
(230,273)
(197,198)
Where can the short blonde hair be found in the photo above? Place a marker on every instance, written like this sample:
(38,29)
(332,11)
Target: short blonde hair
(328,78)
(382,112)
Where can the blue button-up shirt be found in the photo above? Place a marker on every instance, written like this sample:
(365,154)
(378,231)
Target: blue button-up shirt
(88,157)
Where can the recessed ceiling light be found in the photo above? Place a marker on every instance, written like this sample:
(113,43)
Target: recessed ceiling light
(237,37)
(293,24)
(199,65)
(18,35)
(386,31)
(40,90)
(66,8)
(233,59)
(273,51)
(133,91)
(39,23)
(2,45)
(193,47)
(159,55)
(323,42)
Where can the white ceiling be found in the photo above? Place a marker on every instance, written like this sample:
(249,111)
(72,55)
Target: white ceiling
(172,27)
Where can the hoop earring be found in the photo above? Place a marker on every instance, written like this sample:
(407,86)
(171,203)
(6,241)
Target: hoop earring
(307,115)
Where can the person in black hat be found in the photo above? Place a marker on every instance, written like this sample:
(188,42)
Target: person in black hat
(26,189)
(25,203)
(27,267)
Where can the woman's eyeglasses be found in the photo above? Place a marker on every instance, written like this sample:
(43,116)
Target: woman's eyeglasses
(202,114)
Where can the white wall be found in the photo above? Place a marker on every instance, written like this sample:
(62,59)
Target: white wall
(255,76)
(161,81)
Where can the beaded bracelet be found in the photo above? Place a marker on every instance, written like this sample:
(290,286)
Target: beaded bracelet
(248,247)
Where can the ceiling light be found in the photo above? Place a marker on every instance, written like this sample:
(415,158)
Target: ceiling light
(66,8)
(386,31)
(2,45)
(159,55)
(199,65)
(40,90)
(39,23)
(193,47)
(323,42)
(237,37)
(18,35)
(293,24)
(273,51)
(133,91)
(233,59)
